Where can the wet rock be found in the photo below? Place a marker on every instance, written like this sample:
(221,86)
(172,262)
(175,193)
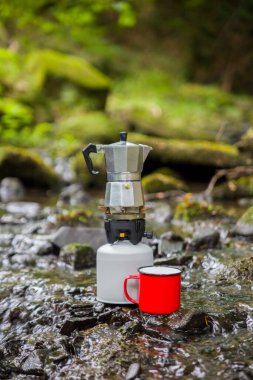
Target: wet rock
(29,209)
(6,239)
(244,226)
(99,307)
(22,244)
(73,195)
(95,237)
(240,269)
(130,328)
(12,220)
(170,243)
(133,371)
(11,189)
(177,260)
(34,363)
(79,256)
(77,324)
(207,241)
(190,321)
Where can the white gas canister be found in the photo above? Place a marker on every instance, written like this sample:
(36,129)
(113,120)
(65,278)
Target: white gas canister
(114,263)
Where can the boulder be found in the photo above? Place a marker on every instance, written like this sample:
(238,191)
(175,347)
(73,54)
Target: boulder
(95,237)
(244,226)
(206,241)
(72,195)
(28,209)
(170,243)
(162,181)
(41,63)
(241,187)
(197,152)
(78,256)
(179,110)
(11,189)
(190,209)
(28,167)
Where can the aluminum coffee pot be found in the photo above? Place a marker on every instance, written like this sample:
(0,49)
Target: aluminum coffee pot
(124,202)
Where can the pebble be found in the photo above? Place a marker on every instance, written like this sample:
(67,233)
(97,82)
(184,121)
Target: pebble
(29,209)
(11,189)
(133,371)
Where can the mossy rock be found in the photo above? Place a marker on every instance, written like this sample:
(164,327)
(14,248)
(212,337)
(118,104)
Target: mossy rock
(246,142)
(244,225)
(79,256)
(88,127)
(162,180)
(172,109)
(28,167)
(241,187)
(42,63)
(202,153)
(241,269)
(189,209)
(78,217)
(80,169)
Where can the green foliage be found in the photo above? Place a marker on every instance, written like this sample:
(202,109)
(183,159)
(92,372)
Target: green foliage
(9,67)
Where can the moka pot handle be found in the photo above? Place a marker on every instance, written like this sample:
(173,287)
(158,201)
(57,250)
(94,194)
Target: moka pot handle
(90,148)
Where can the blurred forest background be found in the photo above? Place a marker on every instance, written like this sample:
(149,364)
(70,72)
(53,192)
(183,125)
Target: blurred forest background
(177,75)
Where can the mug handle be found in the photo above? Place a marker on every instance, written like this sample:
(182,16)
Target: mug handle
(131,276)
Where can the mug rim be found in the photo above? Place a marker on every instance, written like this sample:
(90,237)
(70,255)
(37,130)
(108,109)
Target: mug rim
(158,274)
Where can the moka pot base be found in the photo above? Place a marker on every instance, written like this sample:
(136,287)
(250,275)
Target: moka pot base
(114,263)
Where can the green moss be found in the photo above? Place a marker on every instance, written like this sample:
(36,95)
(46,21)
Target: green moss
(83,175)
(233,189)
(203,153)
(178,110)
(80,256)
(9,67)
(156,182)
(88,127)
(241,269)
(246,142)
(190,209)
(76,218)
(48,62)
(247,217)
(27,166)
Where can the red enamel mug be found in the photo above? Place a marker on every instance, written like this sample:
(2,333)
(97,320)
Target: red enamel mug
(159,289)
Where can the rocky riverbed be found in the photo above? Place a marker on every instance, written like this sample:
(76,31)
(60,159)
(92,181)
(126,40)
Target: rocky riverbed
(53,328)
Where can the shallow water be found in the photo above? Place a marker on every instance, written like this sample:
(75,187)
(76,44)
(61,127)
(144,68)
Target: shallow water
(36,301)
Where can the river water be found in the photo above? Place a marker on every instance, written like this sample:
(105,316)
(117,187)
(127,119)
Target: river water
(53,328)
